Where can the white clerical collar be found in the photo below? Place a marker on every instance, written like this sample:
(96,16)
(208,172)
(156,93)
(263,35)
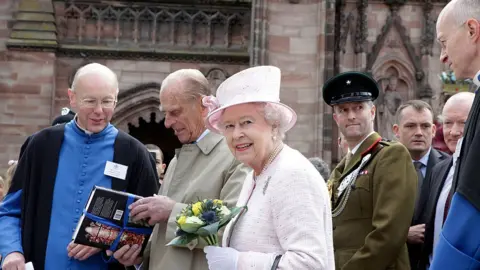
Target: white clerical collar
(82,129)
(476,79)
(360,143)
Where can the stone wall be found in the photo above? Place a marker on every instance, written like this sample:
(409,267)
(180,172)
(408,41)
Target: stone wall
(295,43)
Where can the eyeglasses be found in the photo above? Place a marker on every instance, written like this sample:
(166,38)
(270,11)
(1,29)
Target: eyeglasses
(92,103)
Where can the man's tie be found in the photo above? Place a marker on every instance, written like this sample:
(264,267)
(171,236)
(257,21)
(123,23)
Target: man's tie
(447,205)
(418,166)
(347,158)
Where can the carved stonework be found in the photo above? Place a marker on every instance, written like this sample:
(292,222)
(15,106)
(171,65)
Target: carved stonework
(216,76)
(345,30)
(155,30)
(361,31)
(395,5)
(341,33)
(395,84)
(136,102)
(33,26)
(258,52)
(394,22)
(429,22)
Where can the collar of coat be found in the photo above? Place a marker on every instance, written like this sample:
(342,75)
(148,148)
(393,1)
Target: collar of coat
(366,147)
(206,144)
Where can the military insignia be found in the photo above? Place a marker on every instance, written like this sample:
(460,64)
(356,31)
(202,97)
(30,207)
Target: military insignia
(349,82)
(363,172)
(330,188)
(350,179)
(65,111)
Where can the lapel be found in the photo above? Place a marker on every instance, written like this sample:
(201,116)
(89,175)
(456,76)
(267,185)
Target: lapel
(357,157)
(434,158)
(120,147)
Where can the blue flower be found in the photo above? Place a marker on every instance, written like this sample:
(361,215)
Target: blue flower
(180,232)
(210,217)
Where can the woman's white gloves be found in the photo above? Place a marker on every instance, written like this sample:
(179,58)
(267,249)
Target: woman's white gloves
(221,258)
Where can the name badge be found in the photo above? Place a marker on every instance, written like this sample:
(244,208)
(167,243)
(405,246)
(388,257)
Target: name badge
(116,170)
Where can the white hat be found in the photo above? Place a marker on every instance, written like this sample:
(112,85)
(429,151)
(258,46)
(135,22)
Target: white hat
(256,84)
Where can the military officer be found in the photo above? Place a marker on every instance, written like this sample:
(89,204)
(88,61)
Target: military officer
(373,187)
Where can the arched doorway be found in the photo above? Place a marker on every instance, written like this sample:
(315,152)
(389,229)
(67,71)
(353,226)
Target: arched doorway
(138,114)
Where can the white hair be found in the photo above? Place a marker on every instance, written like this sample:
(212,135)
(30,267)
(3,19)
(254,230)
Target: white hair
(95,68)
(461,10)
(276,117)
(196,85)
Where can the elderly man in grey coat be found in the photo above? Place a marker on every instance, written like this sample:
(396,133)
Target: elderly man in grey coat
(203,168)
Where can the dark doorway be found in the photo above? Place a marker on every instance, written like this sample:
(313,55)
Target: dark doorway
(153,132)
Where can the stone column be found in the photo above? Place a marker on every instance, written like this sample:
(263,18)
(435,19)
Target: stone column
(27,86)
(295,43)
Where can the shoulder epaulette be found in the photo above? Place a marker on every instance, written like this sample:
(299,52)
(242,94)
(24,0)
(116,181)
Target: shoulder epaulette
(386,142)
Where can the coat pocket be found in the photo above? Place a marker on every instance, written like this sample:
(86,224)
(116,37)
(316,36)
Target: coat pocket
(365,196)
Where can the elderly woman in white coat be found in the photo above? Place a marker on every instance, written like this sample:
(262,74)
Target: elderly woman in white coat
(288,223)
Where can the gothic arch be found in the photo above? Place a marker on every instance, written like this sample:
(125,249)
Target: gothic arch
(138,114)
(135,103)
(383,67)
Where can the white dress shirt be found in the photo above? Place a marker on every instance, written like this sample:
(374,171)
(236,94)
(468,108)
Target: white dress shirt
(442,199)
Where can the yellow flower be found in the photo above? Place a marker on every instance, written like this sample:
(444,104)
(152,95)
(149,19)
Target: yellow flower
(197,208)
(182,220)
(218,202)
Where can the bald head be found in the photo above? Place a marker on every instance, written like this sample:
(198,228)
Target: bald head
(454,115)
(457,101)
(98,70)
(461,10)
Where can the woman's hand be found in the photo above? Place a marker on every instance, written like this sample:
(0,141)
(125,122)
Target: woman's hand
(221,258)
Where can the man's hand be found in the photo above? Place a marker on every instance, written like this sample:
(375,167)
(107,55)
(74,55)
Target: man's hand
(81,252)
(14,261)
(154,209)
(416,234)
(127,255)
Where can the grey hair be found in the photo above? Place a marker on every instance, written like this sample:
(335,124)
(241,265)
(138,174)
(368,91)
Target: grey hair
(321,166)
(195,84)
(462,10)
(95,68)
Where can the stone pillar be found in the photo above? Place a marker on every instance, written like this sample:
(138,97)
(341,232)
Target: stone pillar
(28,77)
(295,43)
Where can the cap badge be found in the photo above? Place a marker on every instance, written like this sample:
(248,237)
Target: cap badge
(65,111)
(349,82)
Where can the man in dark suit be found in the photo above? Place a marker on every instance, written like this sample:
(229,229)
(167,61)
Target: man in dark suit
(415,129)
(439,182)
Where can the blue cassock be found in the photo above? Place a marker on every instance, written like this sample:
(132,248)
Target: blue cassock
(459,243)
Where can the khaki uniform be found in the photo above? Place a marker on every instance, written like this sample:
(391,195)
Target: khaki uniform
(372,216)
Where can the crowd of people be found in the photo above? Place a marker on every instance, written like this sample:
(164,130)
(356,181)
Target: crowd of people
(389,204)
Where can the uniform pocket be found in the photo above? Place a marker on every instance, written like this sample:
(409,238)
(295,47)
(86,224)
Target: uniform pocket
(365,198)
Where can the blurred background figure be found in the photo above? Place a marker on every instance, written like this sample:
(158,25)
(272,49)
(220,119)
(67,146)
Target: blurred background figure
(321,166)
(5,183)
(158,155)
(342,146)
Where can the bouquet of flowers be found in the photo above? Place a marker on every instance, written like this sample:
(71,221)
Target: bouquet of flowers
(203,219)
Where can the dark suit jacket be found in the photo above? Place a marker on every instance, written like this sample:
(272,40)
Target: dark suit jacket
(435,184)
(435,157)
